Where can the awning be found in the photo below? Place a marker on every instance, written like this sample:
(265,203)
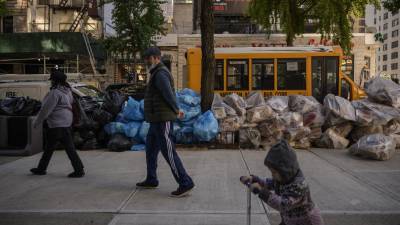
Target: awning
(47,43)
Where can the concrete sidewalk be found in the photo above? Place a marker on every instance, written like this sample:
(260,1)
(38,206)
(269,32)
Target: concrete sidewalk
(348,190)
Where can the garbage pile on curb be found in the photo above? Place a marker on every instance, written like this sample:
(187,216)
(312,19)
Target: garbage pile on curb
(370,126)
(129,130)
(88,129)
(19,106)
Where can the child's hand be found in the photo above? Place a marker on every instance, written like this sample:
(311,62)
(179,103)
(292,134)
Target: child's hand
(246,180)
(249,179)
(255,188)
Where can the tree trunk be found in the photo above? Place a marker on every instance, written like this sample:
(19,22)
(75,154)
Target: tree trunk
(207,50)
(289,39)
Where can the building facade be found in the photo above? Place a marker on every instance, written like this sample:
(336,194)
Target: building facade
(387,27)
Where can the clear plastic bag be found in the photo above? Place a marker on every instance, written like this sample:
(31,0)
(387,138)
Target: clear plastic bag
(259,113)
(237,103)
(360,131)
(369,113)
(375,146)
(303,104)
(339,110)
(331,139)
(232,123)
(279,104)
(255,99)
(383,91)
(292,119)
(250,138)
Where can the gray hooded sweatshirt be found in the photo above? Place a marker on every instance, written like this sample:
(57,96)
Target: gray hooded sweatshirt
(56,108)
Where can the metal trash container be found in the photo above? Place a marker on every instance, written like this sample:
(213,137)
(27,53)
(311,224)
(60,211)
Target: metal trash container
(18,137)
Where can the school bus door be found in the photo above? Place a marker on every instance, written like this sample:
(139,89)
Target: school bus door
(325,76)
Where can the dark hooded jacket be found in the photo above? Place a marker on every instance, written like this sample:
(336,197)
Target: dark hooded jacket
(291,196)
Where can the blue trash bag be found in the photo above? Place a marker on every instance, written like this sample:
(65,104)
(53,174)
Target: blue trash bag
(138,147)
(144,129)
(190,112)
(132,129)
(114,128)
(188,123)
(142,106)
(206,127)
(188,97)
(132,110)
(177,127)
(120,118)
(185,136)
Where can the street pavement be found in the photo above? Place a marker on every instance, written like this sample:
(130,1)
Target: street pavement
(349,190)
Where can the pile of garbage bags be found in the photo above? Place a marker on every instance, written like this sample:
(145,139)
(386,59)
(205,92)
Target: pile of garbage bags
(130,129)
(19,106)
(93,116)
(261,122)
(304,122)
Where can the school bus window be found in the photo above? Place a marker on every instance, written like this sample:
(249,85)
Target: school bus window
(219,75)
(238,75)
(263,74)
(291,74)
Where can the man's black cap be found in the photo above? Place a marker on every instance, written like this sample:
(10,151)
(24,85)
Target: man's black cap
(152,51)
(57,75)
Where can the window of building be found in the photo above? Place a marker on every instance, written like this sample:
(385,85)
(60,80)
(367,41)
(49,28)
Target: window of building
(384,67)
(395,44)
(385,16)
(395,22)
(395,33)
(8,24)
(380,18)
(384,58)
(379,68)
(291,74)
(395,12)
(374,20)
(362,22)
(385,37)
(379,58)
(385,26)
(362,30)
(384,47)
(238,74)
(263,74)
(219,75)
(395,55)
(379,28)
(394,66)
(374,10)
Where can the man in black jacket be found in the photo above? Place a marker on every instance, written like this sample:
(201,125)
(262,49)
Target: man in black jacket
(160,110)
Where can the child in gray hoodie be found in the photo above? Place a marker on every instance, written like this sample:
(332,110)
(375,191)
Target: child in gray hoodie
(287,191)
(57,112)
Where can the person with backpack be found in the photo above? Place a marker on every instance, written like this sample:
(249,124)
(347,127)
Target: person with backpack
(57,111)
(161,110)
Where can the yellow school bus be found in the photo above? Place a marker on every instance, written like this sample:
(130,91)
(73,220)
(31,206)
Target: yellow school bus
(311,71)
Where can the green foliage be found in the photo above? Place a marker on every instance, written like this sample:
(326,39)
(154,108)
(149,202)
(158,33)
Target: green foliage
(332,17)
(3,10)
(392,5)
(136,23)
